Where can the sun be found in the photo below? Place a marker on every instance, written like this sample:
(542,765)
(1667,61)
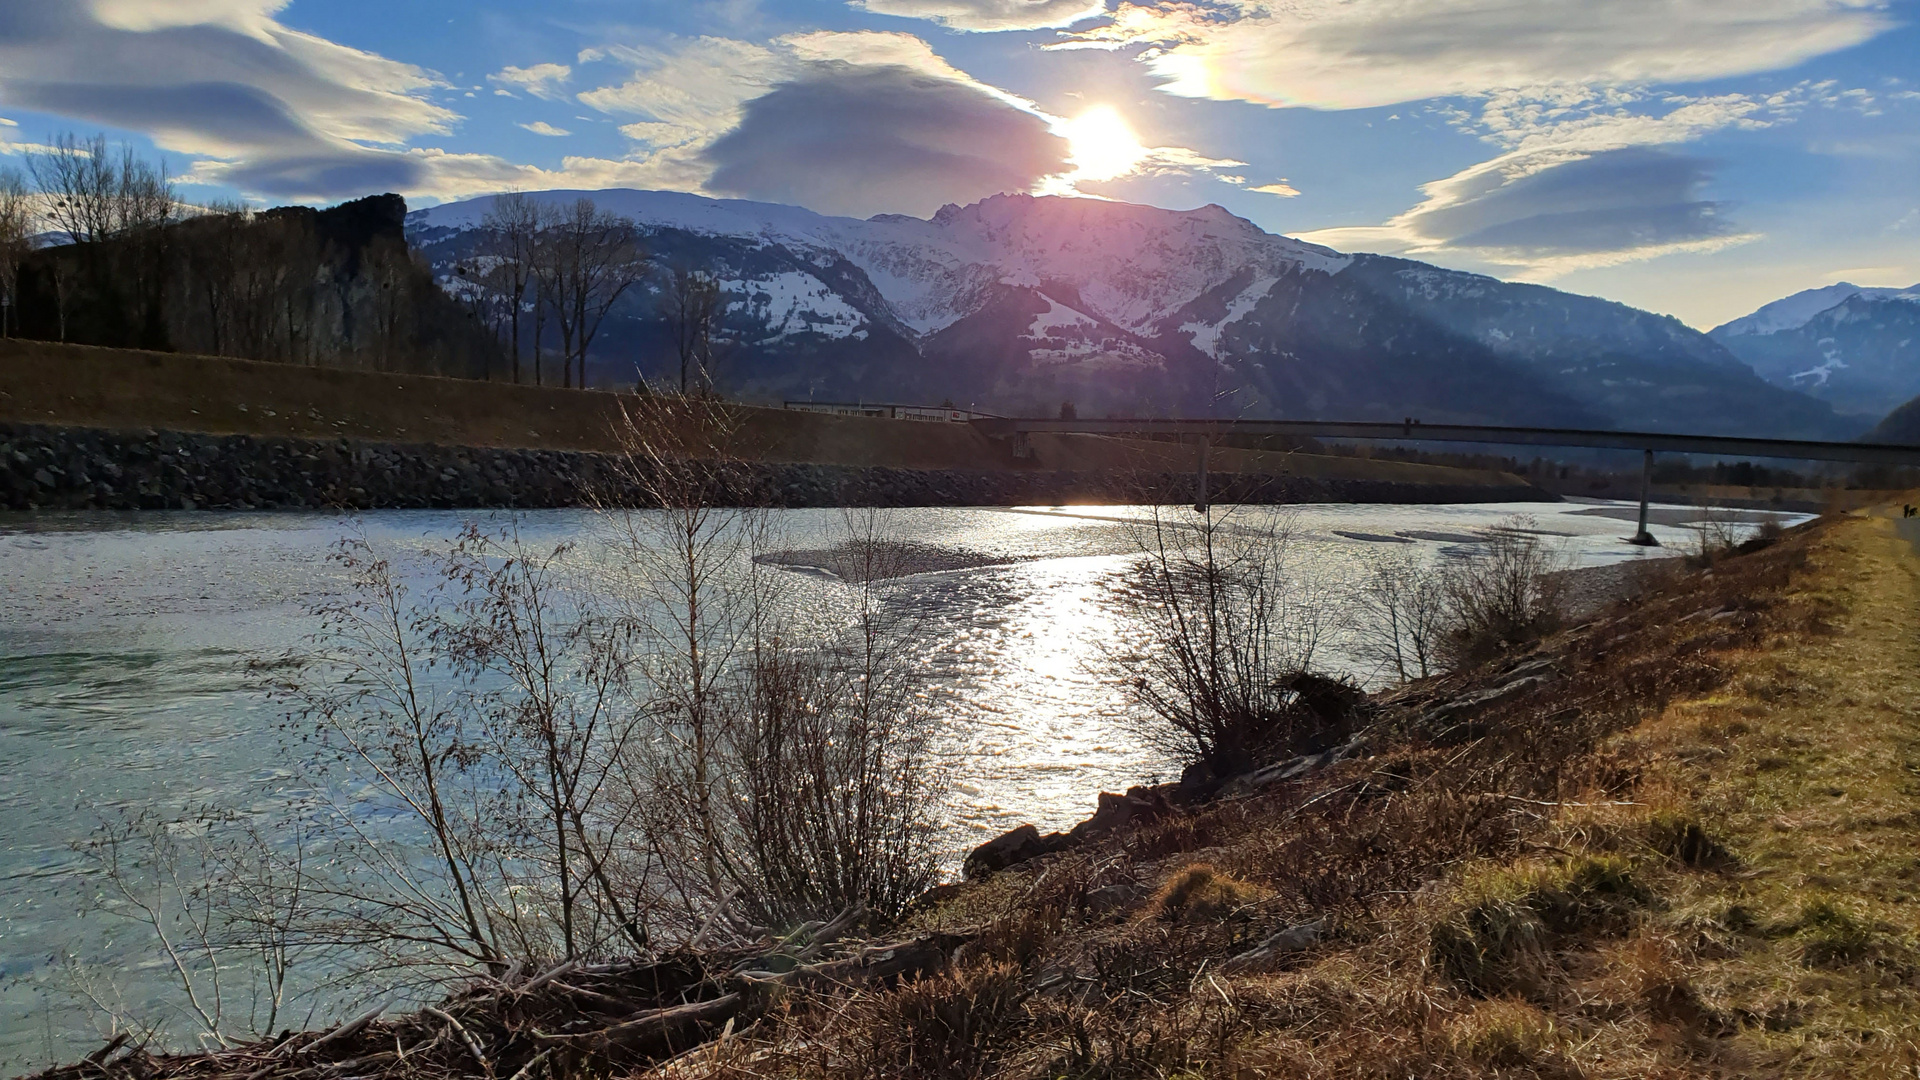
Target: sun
(1100,145)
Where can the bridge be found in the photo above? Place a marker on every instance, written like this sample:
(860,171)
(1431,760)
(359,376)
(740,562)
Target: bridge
(1203,432)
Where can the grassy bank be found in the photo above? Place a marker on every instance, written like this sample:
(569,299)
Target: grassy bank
(1685,847)
(77,386)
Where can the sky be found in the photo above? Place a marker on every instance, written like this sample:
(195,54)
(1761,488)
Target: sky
(1692,157)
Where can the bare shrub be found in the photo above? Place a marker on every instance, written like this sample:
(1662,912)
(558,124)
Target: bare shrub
(828,765)
(221,907)
(1401,615)
(790,771)
(1226,629)
(1502,595)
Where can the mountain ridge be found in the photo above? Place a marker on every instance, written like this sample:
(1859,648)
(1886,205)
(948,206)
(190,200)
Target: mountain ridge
(1018,302)
(1857,348)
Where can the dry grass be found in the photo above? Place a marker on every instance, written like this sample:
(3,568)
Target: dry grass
(1693,855)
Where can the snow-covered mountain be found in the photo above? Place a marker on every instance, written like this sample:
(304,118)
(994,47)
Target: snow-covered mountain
(1017,303)
(1856,348)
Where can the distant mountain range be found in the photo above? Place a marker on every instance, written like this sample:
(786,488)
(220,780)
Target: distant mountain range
(1856,348)
(1016,304)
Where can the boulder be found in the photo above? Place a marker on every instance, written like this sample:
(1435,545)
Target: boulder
(1011,849)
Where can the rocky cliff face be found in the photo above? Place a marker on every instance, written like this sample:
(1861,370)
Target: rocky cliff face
(333,288)
(1017,303)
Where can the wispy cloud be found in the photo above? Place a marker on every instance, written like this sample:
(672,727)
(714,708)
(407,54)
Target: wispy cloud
(296,114)
(540,80)
(983,16)
(541,127)
(1342,54)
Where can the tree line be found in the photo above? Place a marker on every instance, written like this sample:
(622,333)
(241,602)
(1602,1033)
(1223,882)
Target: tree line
(132,265)
(545,270)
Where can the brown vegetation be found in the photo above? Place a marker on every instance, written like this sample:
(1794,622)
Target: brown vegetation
(1673,841)
(1520,887)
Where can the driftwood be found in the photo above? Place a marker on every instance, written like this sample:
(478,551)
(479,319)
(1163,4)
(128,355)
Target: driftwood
(526,1024)
(1278,946)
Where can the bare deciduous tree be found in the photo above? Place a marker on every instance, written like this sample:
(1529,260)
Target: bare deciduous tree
(585,260)
(693,304)
(91,194)
(511,227)
(16,232)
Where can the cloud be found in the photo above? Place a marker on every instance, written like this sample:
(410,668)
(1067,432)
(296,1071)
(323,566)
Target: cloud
(686,95)
(983,16)
(1543,207)
(1344,54)
(1550,213)
(541,127)
(853,139)
(540,80)
(723,116)
(1282,189)
(1608,203)
(289,112)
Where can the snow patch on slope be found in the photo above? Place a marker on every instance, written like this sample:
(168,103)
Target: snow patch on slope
(794,303)
(1206,337)
(1058,316)
(1132,266)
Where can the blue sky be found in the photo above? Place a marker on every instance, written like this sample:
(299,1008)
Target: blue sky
(1696,157)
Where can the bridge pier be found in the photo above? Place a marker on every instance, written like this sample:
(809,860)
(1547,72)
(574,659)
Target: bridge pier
(1643,537)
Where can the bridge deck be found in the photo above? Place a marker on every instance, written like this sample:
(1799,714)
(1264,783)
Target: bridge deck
(1798,449)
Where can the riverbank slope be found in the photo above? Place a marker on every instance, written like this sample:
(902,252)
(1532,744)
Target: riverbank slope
(1677,840)
(121,429)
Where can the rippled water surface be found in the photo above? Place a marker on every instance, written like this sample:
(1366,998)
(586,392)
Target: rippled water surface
(124,640)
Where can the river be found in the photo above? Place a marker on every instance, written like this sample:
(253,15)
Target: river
(124,640)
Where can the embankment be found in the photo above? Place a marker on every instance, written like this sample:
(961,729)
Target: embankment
(120,429)
(53,468)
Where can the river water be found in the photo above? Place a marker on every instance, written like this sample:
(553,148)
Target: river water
(124,641)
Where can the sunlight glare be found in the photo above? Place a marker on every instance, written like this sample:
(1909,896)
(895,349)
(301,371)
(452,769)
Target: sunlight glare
(1101,145)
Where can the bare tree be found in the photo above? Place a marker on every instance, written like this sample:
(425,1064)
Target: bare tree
(693,304)
(511,227)
(362,689)
(222,906)
(92,194)
(214,261)
(550,674)
(16,232)
(76,178)
(589,258)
